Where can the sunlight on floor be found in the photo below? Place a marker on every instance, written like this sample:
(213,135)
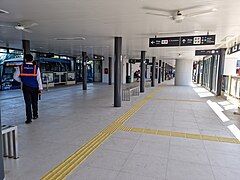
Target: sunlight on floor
(234,129)
(218,110)
(203,92)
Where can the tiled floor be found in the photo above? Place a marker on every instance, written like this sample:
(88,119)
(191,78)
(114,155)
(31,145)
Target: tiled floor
(69,117)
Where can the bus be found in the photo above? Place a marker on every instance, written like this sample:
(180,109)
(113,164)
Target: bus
(53,71)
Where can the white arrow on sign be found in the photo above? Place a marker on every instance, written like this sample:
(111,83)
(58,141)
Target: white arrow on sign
(152,42)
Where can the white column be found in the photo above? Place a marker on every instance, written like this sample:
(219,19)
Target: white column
(183,76)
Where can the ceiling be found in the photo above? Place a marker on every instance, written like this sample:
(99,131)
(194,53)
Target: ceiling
(100,20)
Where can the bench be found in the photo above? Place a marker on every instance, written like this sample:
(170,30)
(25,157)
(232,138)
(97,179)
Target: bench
(10,141)
(128,92)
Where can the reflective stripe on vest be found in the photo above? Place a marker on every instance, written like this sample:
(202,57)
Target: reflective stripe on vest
(26,74)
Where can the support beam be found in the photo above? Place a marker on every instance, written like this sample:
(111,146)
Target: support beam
(183,72)
(1,153)
(203,72)
(198,72)
(142,78)
(118,72)
(220,71)
(153,71)
(160,72)
(211,73)
(163,71)
(84,70)
(26,48)
(110,71)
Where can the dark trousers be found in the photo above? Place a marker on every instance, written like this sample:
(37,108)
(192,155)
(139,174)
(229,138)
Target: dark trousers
(31,101)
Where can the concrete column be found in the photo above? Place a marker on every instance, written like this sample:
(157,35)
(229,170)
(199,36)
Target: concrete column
(183,72)
(127,73)
(142,78)
(163,71)
(211,73)
(74,68)
(160,71)
(110,71)
(153,71)
(26,48)
(203,66)
(118,72)
(198,72)
(166,71)
(1,153)
(84,70)
(220,71)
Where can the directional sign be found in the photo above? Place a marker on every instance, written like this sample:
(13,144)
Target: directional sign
(206,52)
(164,42)
(182,41)
(234,49)
(197,40)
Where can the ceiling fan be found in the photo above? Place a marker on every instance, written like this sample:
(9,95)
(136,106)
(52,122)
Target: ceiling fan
(179,15)
(21,26)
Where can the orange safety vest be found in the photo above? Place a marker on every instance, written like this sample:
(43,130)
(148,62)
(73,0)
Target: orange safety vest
(34,74)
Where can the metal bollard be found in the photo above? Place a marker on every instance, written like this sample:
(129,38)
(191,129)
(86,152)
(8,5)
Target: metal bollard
(10,142)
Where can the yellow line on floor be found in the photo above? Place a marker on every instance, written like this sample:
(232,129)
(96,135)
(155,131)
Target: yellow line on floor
(180,134)
(62,170)
(180,100)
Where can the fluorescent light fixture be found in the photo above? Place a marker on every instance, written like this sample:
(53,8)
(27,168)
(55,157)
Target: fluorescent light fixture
(214,9)
(70,38)
(3,11)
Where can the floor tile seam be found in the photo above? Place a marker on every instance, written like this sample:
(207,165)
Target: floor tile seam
(209,161)
(168,159)
(223,153)
(189,161)
(130,153)
(139,174)
(99,168)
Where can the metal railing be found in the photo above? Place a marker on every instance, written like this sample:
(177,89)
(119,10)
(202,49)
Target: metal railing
(10,141)
(231,86)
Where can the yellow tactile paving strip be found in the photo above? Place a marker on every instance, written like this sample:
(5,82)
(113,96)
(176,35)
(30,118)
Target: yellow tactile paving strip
(62,170)
(180,134)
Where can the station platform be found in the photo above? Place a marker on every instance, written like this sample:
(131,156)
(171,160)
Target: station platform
(169,132)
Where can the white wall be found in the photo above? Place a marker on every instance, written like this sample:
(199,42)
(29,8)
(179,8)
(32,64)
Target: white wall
(183,72)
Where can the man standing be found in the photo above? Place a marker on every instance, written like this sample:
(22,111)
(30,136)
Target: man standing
(30,76)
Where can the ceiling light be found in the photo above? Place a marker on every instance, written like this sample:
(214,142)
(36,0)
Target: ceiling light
(3,11)
(214,9)
(70,38)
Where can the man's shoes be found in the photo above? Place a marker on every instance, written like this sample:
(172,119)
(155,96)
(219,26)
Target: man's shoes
(35,117)
(28,122)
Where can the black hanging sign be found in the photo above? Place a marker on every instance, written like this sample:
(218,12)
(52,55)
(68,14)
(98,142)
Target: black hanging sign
(182,41)
(207,52)
(234,49)
(198,40)
(164,42)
